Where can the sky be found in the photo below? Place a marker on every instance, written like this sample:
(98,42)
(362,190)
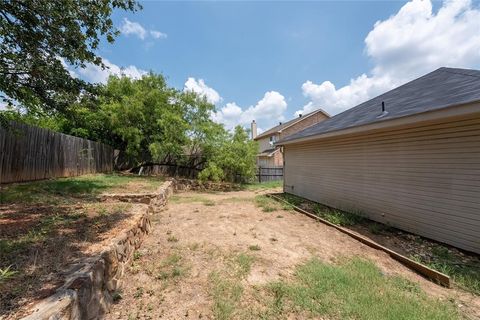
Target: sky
(271,61)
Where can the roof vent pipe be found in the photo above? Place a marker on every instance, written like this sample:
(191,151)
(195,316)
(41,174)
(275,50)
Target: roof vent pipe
(384,112)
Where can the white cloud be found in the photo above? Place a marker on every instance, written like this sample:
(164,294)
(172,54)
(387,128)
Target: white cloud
(96,74)
(201,88)
(268,111)
(158,35)
(3,105)
(134,28)
(410,43)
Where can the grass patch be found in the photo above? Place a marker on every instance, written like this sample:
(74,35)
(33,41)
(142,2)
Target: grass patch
(237,200)
(379,228)
(172,268)
(192,199)
(341,218)
(66,190)
(137,255)
(270,205)
(172,239)
(243,263)
(465,275)
(226,287)
(354,289)
(255,186)
(209,203)
(226,295)
(7,273)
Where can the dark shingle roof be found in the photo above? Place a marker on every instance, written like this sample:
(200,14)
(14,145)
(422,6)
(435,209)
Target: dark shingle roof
(280,127)
(439,89)
(268,152)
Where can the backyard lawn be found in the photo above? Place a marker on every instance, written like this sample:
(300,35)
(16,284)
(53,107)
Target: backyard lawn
(47,225)
(240,255)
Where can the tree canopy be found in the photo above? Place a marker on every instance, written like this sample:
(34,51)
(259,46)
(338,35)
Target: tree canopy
(38,39)
(144,118)
(233,160)
(151,122)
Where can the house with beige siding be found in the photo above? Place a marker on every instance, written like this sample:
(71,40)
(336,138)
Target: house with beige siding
(409,158)
(269,155)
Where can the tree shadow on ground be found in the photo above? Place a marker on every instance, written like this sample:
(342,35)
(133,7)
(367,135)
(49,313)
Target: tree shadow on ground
(52,191)
(38,243)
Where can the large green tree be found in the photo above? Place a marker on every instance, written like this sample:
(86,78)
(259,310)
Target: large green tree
(38,39)
(145,118)
(233,159)
(153,123)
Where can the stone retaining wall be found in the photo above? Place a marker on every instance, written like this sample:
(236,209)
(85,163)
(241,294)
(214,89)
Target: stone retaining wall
(196,185)
(89,289)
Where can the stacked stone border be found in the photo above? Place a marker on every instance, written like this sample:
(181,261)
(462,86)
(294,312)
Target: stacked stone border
(90,286)
(197,185)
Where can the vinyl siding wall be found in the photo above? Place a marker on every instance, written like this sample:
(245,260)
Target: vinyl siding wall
(425,180)
(264,143)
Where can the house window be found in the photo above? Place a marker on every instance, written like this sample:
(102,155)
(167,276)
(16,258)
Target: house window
(272,140)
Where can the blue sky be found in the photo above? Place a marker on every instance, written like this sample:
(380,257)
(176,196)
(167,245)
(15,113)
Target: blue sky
(270,60)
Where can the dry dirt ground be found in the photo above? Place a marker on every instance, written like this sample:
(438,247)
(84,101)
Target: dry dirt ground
(198,235)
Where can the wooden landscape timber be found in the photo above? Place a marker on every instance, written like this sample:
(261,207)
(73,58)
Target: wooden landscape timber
(425,271)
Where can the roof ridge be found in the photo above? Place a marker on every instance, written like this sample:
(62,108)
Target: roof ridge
(454,71)
(289,122)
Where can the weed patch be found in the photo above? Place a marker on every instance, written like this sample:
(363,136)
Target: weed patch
(263,185)
(465,274)
(341,218)
(269,205)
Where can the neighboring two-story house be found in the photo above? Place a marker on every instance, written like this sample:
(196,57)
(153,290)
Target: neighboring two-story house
(271,156)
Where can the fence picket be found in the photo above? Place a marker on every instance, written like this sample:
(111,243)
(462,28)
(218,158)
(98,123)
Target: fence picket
(265,174)
(31,153)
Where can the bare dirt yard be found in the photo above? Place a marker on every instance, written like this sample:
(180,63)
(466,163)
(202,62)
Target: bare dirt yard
(235,255)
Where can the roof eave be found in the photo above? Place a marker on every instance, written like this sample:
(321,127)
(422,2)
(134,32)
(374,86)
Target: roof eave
(265,136)
(431,115)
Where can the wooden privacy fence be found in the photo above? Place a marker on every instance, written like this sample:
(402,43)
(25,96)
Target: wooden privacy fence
(32,153)
(269,174)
